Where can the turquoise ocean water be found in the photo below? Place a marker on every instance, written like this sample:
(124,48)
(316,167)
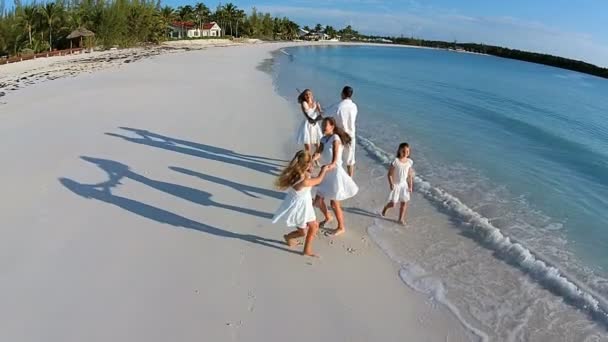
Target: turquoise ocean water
(518,151)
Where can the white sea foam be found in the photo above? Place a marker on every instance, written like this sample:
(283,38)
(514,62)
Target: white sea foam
(514,251)
(421,281)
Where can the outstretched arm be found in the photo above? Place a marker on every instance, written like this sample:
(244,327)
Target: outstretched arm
(318,152)
(317,180)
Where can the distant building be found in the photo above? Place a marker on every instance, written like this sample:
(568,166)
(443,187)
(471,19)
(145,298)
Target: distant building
(211,29)
(316,36)
(302,33)
(188,29)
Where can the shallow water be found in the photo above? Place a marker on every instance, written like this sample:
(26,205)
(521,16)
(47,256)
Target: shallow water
(512,154)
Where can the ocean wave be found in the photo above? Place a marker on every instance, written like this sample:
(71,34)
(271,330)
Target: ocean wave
(421,281)
(506,247)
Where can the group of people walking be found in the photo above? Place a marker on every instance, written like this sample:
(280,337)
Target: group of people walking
(329,142)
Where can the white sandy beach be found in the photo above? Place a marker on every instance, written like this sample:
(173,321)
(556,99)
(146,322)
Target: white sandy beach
(137,208)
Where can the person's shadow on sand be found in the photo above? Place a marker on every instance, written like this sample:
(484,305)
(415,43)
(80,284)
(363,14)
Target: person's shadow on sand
(144,137)
(245,189)
(116,171)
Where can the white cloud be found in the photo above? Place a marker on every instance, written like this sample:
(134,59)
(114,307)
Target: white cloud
(424,22)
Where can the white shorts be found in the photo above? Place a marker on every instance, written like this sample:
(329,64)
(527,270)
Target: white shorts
(349,153)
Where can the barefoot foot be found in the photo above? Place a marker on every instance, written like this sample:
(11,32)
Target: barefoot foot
(310,254)
(327,220)
(338,232)
(290,242)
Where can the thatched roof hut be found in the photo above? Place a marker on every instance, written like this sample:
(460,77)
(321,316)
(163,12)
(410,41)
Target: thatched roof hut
(79,33)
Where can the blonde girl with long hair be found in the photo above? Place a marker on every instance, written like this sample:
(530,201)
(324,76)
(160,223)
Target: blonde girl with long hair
(297,208)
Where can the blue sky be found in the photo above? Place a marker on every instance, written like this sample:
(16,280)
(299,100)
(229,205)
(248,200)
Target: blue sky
(575,29)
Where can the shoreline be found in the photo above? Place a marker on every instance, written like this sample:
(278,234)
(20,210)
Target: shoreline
(362,223)
(146,219)
(20,75)
(442,213)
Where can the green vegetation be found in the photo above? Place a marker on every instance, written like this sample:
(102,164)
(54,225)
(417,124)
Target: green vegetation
(40,27)
(533,57)
(37,27)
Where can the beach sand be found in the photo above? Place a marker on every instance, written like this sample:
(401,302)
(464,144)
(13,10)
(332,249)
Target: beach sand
(137,208)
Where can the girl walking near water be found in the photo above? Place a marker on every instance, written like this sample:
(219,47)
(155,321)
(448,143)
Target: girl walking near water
(309,133)
(297,209)
(337,185)
(400,181)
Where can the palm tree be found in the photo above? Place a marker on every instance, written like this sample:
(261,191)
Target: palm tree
(201,12)
(330,31)
(185,13)
(51,14)
(28,16)
(230,12)
(318,28)
(239,16)
(167,14)
(292,28)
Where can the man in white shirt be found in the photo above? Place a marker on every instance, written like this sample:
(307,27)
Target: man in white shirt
(346,117)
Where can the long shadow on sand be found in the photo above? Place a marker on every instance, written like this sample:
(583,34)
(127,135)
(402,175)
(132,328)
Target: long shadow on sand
(257,163)
(245,189)
(117,171)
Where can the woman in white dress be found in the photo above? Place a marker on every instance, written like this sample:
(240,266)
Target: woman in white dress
(309,132)
(297,209)
(400,181)
(337,185)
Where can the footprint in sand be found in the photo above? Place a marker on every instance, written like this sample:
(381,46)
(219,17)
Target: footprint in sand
(251,301)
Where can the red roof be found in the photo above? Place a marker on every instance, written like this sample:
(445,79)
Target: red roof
(208,26)
(184,24)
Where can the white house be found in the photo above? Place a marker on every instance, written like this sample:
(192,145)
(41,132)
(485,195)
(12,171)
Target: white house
(211,29)
(187,29)
(180,29)
(315,36)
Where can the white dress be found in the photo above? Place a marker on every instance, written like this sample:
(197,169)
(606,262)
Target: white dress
(337,184)
(296,209)
(308,133)
(400,192)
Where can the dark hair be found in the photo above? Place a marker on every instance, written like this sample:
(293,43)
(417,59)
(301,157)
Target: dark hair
(402,146)
(301,96)
(346,139)
(347,92)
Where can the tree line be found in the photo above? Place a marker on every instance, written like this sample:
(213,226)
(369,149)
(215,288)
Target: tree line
(527,56)
(36,27)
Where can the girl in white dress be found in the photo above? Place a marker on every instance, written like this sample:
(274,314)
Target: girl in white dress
(400,181)
(309,132)
(297,209)
(337,185)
